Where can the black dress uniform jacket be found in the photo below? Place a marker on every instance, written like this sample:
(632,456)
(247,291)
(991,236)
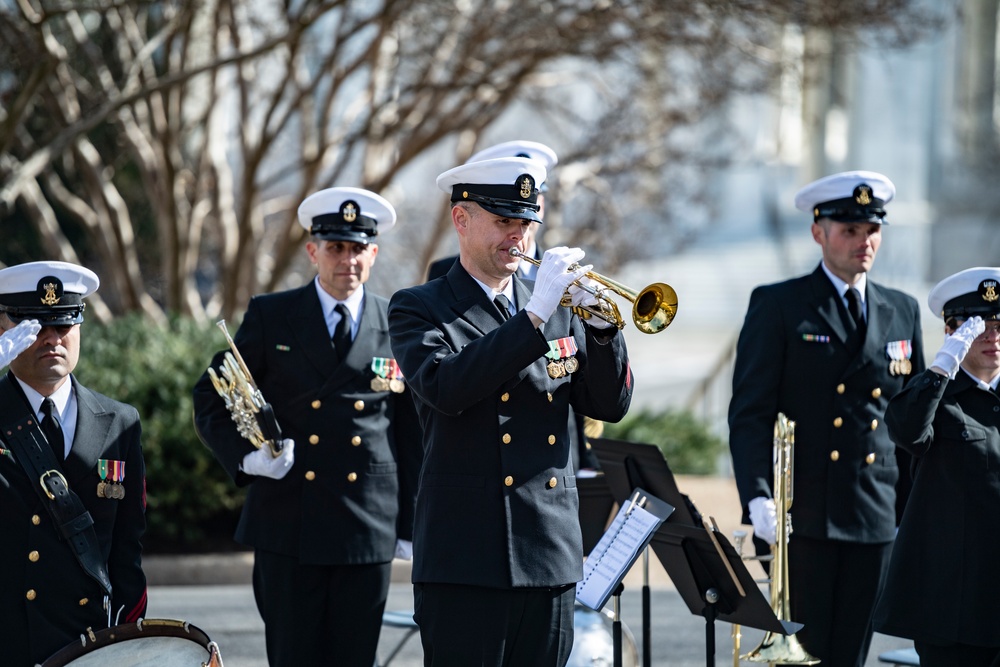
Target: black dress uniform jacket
(942,585)
(498,505)
(349,494)
(46,599)
(793,356)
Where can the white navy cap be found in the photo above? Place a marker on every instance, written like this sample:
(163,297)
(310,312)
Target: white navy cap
(505,186)
(50,292)
(519,148)
(850,196)
(346,214)
(968,293)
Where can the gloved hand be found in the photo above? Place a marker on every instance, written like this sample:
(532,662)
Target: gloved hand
(581,297)
(260,462)
(957,345)
(15,341)
(552,280)
(404,549)
(764,517)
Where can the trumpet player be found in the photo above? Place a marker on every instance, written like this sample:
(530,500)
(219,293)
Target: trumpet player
(828,349)
(942,587)
(494,366)
(325,517)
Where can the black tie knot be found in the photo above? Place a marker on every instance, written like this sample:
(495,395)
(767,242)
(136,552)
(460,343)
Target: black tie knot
(853,297)
(503,305)
(52,428)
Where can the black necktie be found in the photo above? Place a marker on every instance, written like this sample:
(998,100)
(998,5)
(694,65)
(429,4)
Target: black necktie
(853,297)
(342,334)
(52,428)
(503,305)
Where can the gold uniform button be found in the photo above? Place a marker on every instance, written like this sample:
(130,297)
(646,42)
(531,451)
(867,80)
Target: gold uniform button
(33,556)
(835,455)
(838,422)
(552,483)
(316,405)
(874,424)
(352,477)
(84,601)
(505,397)
(841,388)
(30,594)
(506,438)
(356,440)
(310,475)
(870,459)
(552,439)
(876,392)
(313,439)
(548,394)
(508,481)
(35,519)
(359,405)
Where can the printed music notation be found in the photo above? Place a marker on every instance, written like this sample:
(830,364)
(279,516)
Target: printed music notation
(620,546)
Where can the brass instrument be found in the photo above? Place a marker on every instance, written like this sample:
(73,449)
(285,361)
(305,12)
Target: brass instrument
(775,648)
(653,307)
(253,415)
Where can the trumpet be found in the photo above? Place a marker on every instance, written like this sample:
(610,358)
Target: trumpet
(254,416)
(653,307)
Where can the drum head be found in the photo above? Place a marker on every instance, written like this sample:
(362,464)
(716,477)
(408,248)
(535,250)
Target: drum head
(147,643)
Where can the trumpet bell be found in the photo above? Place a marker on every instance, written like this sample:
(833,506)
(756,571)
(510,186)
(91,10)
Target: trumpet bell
(653,308)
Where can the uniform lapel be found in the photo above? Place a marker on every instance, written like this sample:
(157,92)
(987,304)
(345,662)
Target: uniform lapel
(92,426)
(309,328)
(372,329)
(470,301)
(828,304)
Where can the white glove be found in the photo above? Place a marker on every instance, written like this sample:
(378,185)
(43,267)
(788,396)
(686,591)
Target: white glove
(404,549)
(580,297)
(552,280)
(957,345)
(260,462)
(15,341)
(764,517)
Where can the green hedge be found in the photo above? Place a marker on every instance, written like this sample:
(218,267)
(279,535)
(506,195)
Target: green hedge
(687,444)
(192,503)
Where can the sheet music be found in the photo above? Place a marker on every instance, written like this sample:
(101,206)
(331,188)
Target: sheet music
(617,550)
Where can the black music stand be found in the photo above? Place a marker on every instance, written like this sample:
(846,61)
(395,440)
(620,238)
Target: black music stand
(714,582)
(596,505)
(628,465)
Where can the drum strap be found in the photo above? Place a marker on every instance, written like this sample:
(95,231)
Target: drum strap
(25,439)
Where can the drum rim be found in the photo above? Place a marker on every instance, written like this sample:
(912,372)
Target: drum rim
(145,627)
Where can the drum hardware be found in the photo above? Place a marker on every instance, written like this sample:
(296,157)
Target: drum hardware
(653,307)
(254,416)
(153,641)
(594,639)
(778,649)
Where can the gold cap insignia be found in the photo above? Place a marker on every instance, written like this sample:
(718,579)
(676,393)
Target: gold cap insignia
(988,290)
(350,211)
(527,184)
(50,298)
(863,194)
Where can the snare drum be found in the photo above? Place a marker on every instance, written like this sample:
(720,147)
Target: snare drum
(152,641)
(594,640)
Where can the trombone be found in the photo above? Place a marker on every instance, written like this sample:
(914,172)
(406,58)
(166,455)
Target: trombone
(653,307)
(254,416)
(775,648)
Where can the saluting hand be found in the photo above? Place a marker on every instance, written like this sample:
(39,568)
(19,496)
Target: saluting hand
(957,345)
(260,462)
(15,341)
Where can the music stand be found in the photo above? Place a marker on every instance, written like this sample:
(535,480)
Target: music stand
(628,465)
(596,505)
(714,582)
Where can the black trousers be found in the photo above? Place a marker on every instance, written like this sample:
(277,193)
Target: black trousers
(834,587)
(319,614)
(471,626)
(957,654)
